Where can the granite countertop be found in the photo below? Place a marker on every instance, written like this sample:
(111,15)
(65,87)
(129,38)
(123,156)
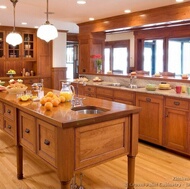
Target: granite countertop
(170,92)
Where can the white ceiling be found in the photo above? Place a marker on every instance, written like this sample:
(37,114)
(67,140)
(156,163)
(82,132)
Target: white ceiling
(67,13)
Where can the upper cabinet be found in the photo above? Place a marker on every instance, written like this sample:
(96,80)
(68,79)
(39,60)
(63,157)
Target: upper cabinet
(29,45)
(26,50)
(2,44)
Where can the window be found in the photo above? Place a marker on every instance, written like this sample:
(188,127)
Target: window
(153,56)
(116,57)
(179,56)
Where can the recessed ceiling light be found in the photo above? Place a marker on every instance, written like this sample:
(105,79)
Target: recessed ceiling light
(3,7)
(81,2)
(91,19)
(179,1)
(24,23)
(127,11)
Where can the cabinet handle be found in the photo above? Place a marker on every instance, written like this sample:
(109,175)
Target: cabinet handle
(27,131)
(46,142)
(9,126)
(8,111)
(148,99)
(177,103)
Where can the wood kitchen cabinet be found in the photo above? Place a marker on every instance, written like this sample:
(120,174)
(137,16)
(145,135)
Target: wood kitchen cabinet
(151,117)
(127,97)
(176,124)
(90,91)
(104,93)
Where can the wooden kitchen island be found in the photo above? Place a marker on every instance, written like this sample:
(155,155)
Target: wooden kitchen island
(70,141)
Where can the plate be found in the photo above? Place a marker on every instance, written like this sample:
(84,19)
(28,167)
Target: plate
(100,80)
(164,88)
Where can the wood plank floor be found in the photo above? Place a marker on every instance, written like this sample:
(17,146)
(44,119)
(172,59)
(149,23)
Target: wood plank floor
(155,169)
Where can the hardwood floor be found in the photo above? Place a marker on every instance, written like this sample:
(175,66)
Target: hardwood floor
(155,169)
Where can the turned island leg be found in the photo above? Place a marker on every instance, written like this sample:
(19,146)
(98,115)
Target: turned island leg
(65,185)
(131,172)
(19,161)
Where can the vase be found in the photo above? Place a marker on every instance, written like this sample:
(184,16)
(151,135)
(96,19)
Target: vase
(99,69)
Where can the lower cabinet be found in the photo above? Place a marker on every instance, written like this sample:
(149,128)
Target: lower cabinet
(104,93)
(176,124)
(151,117)
(38,136)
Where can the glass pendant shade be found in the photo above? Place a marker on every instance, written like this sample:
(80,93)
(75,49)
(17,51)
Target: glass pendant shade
(14,38)
(47,32)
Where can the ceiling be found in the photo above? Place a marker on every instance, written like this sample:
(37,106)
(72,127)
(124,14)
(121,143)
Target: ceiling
(67,13)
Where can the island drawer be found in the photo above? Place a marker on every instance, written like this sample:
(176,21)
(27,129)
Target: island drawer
(27,126)
(90,89)
(46,141)
(10,112)
(9,127)
(177,103)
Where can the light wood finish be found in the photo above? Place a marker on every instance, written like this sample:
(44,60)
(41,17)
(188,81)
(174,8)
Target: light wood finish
(176,124)
(56,134)
(153,165)
(104,93)
(151,117)
(122,96)
(57,75)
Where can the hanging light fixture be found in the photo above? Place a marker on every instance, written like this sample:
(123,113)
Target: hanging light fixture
(47,31)
(14,38)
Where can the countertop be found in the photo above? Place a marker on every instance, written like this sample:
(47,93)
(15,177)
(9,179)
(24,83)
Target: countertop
(171,92)
(63,116)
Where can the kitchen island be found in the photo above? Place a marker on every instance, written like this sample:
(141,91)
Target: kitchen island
(68,140)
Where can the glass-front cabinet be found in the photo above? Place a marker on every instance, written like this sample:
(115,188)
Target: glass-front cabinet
(25,50)
(2,46)
(28,43)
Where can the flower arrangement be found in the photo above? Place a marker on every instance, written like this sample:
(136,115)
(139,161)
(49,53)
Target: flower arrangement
(98,61)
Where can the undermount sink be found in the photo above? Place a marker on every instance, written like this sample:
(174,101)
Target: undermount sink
(89,109)
(134,87)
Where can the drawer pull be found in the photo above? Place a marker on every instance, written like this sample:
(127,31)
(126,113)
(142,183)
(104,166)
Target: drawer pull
(8,111)
(46,142)
(177,103)
(27,131)
(148,99)
(9,126)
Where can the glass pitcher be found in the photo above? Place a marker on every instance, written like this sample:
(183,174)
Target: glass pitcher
(68,91)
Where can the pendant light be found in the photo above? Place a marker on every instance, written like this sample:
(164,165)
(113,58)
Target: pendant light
(14,38)
(47,31)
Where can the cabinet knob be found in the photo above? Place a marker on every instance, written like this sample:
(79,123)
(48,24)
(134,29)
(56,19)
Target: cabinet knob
(46,142)
(148,99)
(176,103)
(8,111)
(9,126)
(27,131)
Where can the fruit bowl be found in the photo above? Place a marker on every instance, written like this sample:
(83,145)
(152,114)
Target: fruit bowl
(16,90)
(2,83)
(150,87)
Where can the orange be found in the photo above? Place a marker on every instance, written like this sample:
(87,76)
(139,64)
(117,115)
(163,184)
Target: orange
(62,99)
(48,99)
(48,106)
(55,102)
(43,100)
(50,94)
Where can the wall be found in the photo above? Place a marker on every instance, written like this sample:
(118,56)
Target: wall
(124,36)
(59,50)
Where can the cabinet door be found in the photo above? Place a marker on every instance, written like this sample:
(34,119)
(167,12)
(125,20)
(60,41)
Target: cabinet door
(46,141)
(151,118)
(27,129)
(29,46)
(2,44)
(176,129)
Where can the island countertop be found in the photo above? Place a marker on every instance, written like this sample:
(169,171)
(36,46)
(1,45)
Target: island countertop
(63,116)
